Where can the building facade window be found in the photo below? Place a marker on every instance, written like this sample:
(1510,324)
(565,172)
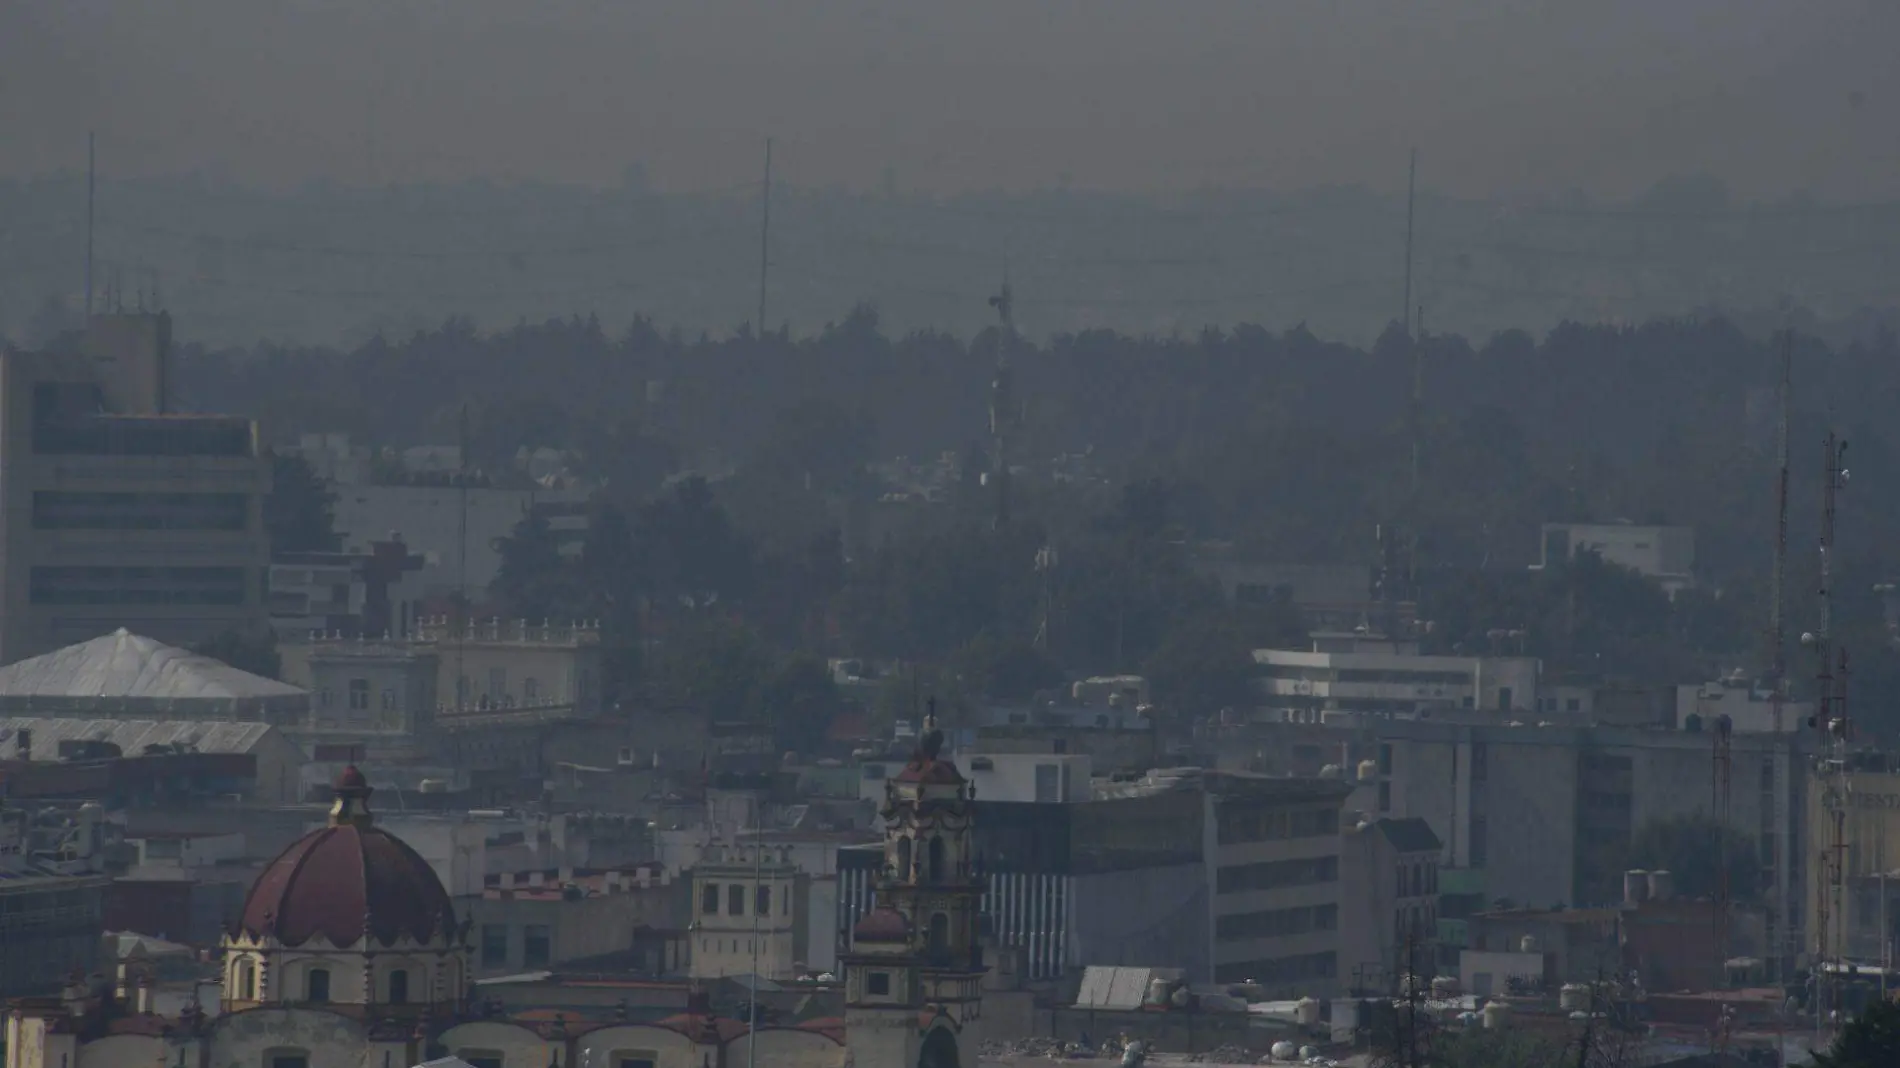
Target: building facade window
(735,900)
(878,984)
(399,987)
(494,945)
(537,945)
(317,985)
(359,695)
(709,899)
(763,903)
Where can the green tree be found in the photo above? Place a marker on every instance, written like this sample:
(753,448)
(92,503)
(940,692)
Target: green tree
(1871,1040)
(1006,671)
(533,579)
(709,666)
(1202,666)
(799,701)
(298,514)
(1690,848)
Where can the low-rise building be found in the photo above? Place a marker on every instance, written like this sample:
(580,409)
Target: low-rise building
(744,912)
(1388,900)
(255,762)
(545,920)
(1380,677)
(1665,554)
(1225,877)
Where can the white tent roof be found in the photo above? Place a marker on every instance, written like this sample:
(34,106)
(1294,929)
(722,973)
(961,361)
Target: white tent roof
(132,735)
(127,665)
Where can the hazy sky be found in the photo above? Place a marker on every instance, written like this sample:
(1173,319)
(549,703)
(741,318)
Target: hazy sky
(1500,95)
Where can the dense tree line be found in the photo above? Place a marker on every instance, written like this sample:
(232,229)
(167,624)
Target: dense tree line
(1287,446)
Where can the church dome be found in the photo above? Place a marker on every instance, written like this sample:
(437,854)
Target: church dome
(882,924)
(348,882)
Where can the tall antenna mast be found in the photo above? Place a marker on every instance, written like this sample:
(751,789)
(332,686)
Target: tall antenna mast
(461,556)
(765,234)
(1411,185)
(1780,925)
(91,184)
(1832,721)
(1002,401)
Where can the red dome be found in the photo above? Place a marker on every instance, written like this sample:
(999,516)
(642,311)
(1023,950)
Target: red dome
(348,881)
(931,772)
(882,924)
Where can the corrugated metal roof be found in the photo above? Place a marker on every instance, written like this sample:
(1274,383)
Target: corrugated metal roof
(123,664)
(133,735)
(1106,987)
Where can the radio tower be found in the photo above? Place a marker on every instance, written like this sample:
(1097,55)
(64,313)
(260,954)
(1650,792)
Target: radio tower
(1780,917)
(1003,414)
(1831,720)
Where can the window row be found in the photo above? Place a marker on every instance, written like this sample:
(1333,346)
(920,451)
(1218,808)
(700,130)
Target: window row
(1276,923)
(1241,823)
(1275,874)
(735,899)
(1279,970)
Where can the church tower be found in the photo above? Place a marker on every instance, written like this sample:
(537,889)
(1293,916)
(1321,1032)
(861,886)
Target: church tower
(914,974)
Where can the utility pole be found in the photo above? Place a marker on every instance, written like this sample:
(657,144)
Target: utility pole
(91,186)
(765,234)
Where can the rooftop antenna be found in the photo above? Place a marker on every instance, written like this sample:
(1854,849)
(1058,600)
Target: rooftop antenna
(765,234)
(91,186)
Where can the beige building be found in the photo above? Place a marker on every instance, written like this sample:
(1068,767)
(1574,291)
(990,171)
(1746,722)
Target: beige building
(1870,835)
(745,915)
(492,689)
(116,511)
(536,920)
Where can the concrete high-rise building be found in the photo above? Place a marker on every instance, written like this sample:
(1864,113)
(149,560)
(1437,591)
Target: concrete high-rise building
(114,510)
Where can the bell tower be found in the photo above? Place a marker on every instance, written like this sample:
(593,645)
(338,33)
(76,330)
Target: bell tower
(914,975)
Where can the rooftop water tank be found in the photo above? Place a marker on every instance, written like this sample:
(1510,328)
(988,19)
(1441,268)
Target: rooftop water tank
(1497,1016)
(1306,1012)
(1527,944)
(1368,770)
(1662,885)
(1285,1051)
(1573,997)
(1635,886)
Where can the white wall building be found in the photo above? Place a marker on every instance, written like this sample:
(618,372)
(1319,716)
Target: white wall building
(1666,554)
(1390,679)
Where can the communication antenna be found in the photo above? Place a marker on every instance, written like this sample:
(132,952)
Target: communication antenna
(1003,413)
(462,688)
(765,234)
(1831,720)
(1779,925)
(1411,185)
(91,184)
